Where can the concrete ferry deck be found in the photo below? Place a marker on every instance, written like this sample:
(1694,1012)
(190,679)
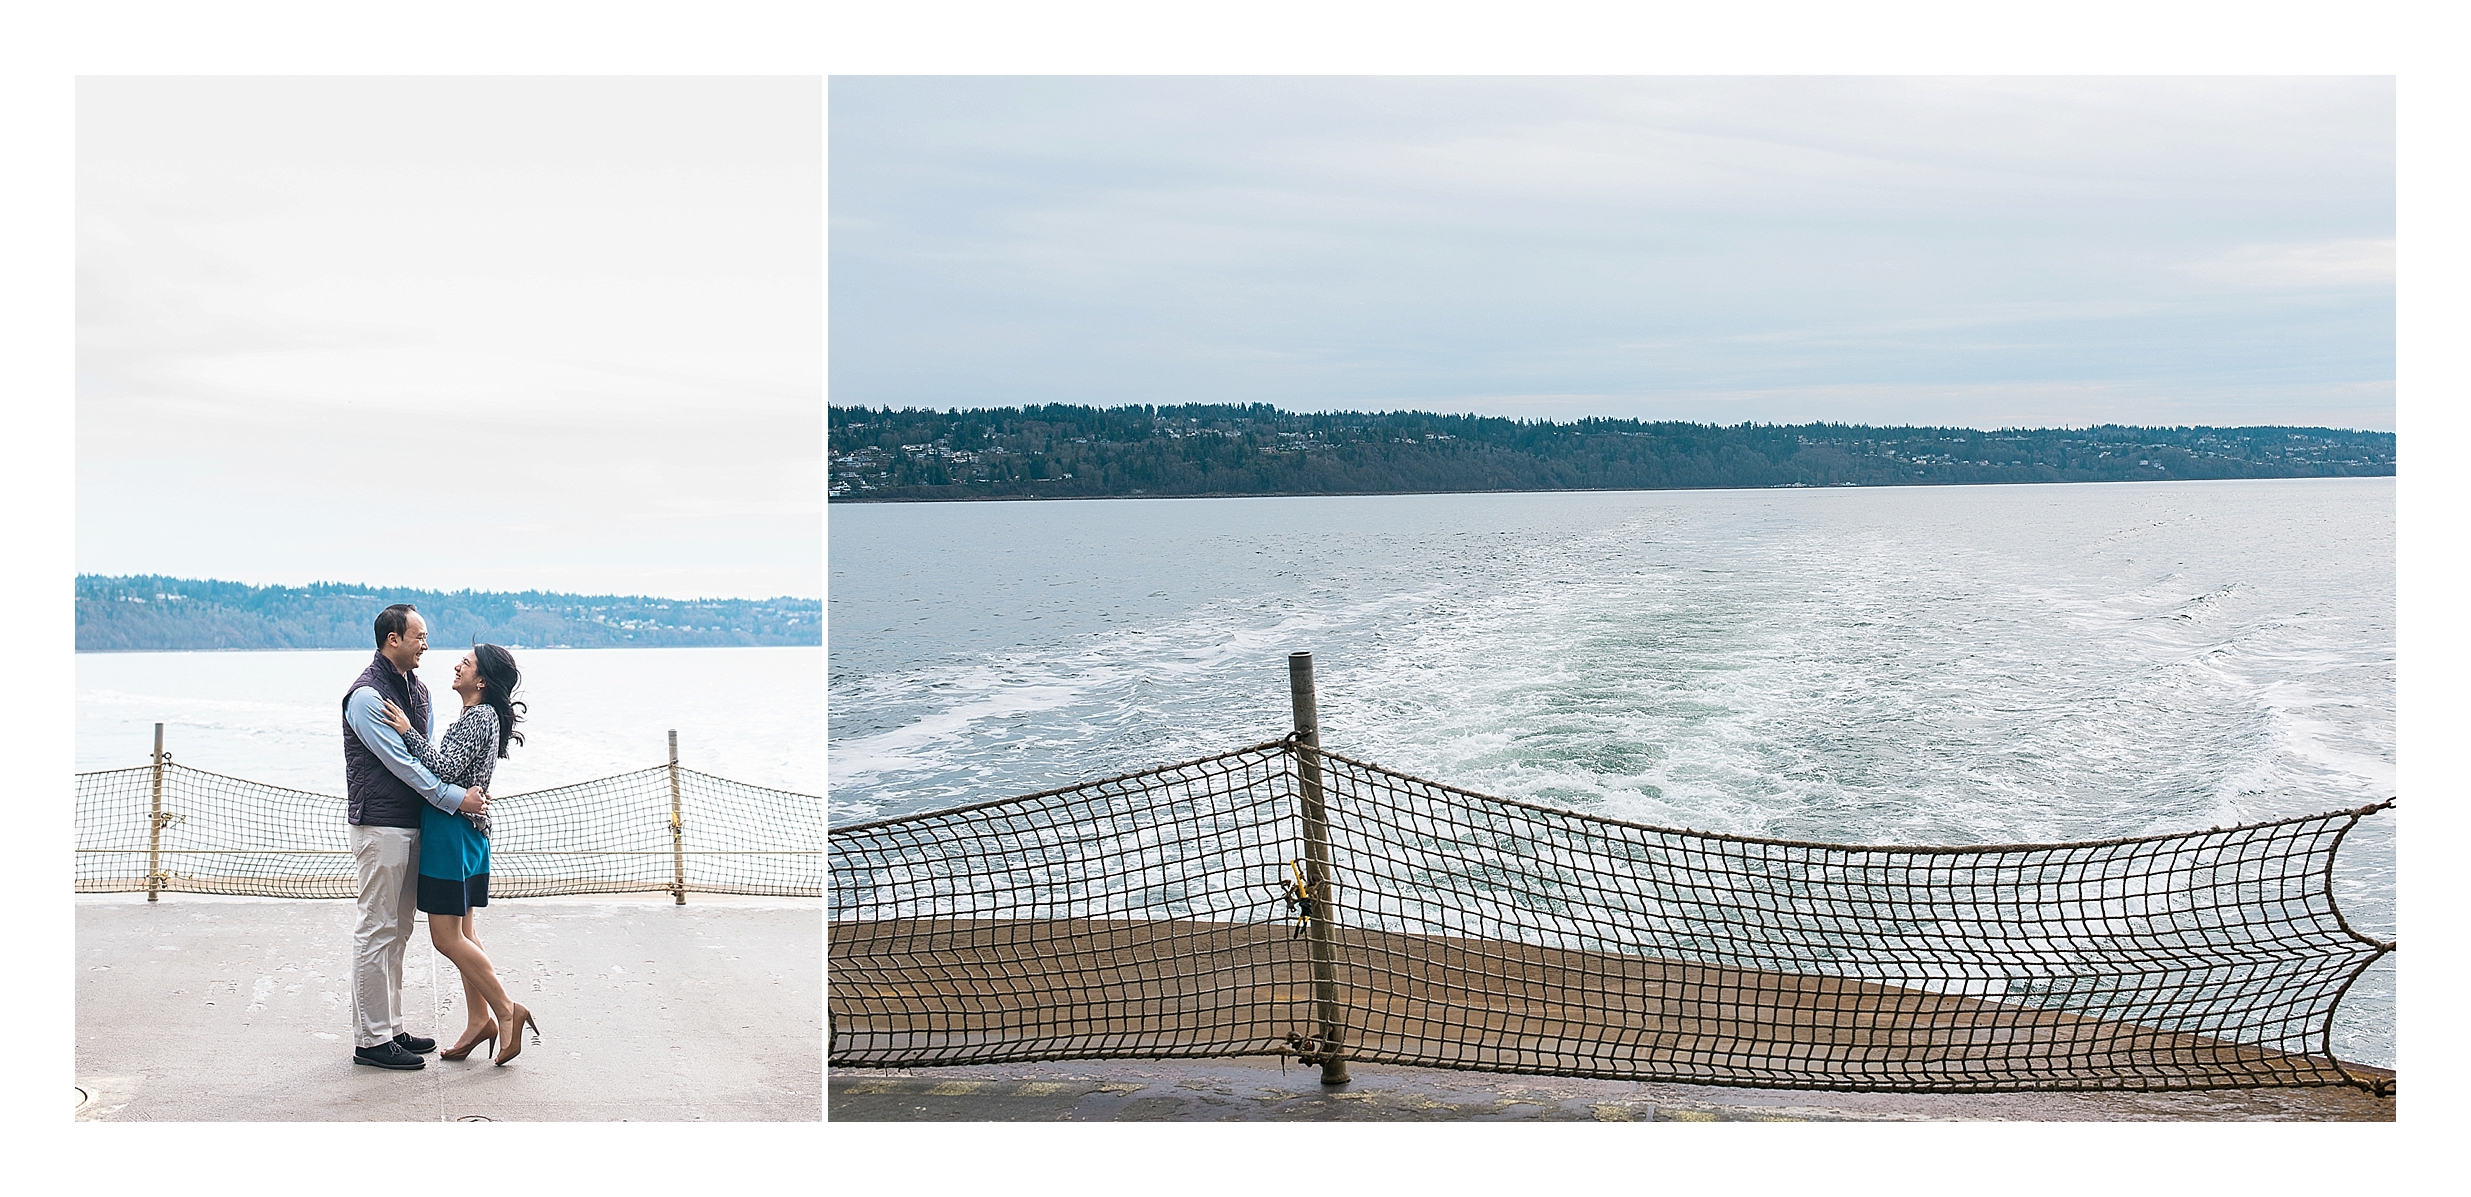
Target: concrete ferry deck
(1256,1090)
(1251,965)
(203,1008)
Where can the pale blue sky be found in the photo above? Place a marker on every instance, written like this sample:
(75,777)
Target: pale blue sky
(491,332)
(1981,252)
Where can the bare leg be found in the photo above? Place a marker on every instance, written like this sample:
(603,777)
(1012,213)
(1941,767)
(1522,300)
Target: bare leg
(447,932)
(475,1003)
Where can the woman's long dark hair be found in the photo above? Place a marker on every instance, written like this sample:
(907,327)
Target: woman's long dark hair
(499,678)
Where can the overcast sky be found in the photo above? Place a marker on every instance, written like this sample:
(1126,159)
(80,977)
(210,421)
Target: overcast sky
(484,332)
(1985,253)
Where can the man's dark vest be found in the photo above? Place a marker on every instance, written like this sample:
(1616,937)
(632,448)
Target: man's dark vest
(379,798)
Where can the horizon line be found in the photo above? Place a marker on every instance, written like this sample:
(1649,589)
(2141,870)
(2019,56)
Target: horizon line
(379,591)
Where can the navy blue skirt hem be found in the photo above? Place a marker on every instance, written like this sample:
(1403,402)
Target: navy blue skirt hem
(452,895)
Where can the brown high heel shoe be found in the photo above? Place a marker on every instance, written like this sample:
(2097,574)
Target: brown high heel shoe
(464,1046)
(512,1045)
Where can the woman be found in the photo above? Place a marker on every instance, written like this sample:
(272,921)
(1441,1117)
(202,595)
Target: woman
(454,849)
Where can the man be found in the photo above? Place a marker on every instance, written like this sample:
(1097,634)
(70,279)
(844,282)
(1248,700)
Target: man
(386,785)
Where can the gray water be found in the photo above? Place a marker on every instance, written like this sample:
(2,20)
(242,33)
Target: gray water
(1923,665)
(748,714)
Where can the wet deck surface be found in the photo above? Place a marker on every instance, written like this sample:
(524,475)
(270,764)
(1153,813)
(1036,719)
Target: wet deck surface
(1257,1091)
(230,1009)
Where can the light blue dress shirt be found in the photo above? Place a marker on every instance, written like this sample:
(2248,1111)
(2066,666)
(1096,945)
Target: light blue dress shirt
(365,713)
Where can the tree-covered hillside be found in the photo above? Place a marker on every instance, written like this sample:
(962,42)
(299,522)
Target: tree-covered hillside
(1068,451)
(151,612)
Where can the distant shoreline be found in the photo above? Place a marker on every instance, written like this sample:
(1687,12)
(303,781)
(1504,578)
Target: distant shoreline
(1257,450)
(159,613)
(848,500)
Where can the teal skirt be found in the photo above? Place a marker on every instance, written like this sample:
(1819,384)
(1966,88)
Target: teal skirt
(454,864)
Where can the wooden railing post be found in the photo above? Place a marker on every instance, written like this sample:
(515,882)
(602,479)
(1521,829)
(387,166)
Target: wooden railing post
(1320,880)
(677,827)
(154,825)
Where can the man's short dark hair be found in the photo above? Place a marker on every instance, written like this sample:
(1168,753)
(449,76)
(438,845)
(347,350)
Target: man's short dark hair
(391,621)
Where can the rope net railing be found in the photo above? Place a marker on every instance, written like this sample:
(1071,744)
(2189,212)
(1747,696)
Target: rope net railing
(1157,915)
(229,835)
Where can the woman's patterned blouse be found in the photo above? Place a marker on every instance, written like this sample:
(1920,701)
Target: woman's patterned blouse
(467,755)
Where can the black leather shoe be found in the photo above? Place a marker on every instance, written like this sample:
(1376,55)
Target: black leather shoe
(387,1055)
(415,1044)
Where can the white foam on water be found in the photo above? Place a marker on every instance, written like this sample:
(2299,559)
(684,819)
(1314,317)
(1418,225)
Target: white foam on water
(912,746)
(1924,665)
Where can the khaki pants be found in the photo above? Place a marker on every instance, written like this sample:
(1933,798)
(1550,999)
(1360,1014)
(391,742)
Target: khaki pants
(389,860)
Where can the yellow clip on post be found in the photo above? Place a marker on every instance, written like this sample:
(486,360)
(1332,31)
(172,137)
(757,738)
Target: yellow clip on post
(1301,896)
